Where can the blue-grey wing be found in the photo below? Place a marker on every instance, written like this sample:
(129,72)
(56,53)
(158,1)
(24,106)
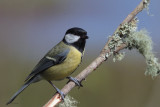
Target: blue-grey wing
(47,61)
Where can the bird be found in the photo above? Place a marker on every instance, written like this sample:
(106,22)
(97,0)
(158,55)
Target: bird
(59,62)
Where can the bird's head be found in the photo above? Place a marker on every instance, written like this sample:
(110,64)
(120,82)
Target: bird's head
(75,34)
(76,37)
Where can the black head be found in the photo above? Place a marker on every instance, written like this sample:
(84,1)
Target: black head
(76,37)
(78,32)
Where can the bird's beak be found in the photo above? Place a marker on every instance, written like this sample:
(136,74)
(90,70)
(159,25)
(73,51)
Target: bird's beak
(85,37)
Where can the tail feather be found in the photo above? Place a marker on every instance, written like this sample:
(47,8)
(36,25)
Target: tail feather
(17,93)
(20,90)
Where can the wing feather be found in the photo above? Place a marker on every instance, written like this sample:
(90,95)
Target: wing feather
(47,61)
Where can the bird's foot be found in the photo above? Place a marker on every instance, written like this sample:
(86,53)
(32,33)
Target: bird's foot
(77,82)
(58,90)
(60,93)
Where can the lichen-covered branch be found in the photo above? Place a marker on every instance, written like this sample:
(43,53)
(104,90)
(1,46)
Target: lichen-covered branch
(105,53)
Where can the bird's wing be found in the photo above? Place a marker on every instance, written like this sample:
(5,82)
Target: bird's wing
(49,60)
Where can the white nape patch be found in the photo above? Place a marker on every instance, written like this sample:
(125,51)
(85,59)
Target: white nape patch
(70,38)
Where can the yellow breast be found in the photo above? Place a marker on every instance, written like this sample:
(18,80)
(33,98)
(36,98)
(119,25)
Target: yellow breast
(61,71)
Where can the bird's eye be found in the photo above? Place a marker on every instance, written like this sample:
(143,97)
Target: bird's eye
(75,33)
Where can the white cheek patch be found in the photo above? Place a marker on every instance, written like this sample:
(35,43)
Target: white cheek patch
(70,38)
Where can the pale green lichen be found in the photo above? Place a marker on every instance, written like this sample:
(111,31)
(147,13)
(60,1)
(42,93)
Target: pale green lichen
(118,38)
(118,56)
(143,43)
(127,28)
(140,40)
(69,102)
(153,67)
(115,42)
(146,3)
(146,6)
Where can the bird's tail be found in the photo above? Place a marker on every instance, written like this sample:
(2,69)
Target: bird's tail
(20,90)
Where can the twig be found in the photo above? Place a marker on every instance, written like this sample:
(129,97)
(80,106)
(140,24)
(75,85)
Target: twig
(105,53)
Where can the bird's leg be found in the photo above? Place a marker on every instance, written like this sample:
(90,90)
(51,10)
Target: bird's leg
(78,83)
(58,90)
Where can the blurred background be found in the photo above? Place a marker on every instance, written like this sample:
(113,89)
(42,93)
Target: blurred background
(29,28)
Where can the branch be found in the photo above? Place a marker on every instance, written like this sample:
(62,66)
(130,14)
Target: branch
(105,53)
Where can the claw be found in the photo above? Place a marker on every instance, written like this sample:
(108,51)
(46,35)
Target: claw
(60,93)
(58,90)
(78,83)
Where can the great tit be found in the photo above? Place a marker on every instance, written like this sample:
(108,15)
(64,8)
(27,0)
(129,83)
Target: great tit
(61,61)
